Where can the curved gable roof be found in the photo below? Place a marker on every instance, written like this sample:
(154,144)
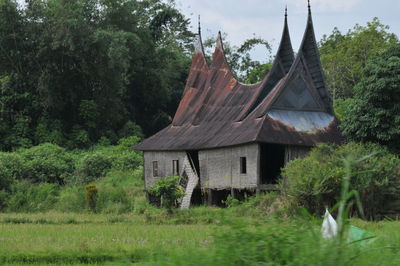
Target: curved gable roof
(289,106)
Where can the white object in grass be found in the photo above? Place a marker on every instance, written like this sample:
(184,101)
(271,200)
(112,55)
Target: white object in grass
(329,226)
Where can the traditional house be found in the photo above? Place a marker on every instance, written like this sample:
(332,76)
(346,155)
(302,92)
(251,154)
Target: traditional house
(228,137)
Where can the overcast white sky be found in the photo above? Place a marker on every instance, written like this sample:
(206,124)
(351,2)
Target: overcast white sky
(241,19)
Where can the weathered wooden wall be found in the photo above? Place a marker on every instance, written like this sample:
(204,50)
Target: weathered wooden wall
(164,159)
(220,168)
(294,152)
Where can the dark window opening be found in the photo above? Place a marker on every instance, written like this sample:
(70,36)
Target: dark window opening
(175,167)
(194,160)
(272,159)
(155,168)
(243,165)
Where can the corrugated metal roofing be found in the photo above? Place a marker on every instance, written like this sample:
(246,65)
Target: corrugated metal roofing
(216,110)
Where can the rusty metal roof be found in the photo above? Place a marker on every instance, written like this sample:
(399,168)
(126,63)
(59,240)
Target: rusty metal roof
(289,106)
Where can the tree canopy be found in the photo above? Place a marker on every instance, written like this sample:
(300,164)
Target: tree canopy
(76,73)
(374,113)
(72,72)
(344,56)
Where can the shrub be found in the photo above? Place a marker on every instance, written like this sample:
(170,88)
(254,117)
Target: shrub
(91,196)
(168,190)
(6,179)
(92,166)
(125,157)
(3,199)
(113,199)
(314,182)
(71,199)
(11,168)
(26,197)
(47,163)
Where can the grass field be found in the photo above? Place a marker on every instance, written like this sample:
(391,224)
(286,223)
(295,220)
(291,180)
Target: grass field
(91,238)
(221,239)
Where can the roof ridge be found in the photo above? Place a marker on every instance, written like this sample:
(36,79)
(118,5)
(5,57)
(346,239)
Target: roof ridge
(308,54)
(284,59)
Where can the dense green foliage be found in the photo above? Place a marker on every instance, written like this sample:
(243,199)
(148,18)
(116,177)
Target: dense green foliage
(48,177)
(344,56)
(168,190)
(315,182)
(374,114)
(75,72)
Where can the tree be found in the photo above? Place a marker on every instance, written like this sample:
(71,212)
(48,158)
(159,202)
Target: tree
(245,68)
(374,114)
(344,56)
(74,72)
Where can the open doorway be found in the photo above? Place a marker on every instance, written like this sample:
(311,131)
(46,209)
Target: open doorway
(194,161)
(272,159)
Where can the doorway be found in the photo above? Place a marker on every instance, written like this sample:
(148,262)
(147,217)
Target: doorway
(272,159)
(194,160)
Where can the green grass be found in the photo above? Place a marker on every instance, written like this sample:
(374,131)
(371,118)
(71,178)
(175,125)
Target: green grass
(52,238)
(200,236)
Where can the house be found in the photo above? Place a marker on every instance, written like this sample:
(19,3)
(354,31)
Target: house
(228,137)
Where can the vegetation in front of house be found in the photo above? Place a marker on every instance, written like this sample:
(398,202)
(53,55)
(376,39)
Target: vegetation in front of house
(60,227)
(315,181)
(209,236)
(169,192)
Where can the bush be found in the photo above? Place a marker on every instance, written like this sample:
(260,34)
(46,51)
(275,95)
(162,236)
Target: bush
(3,199)
(91,196)
(314,182)
(26,197)
(127,158)
(113,199)
(11,168)
(92,166)
(47,163)
(168,190)
(6,179)
(71,199)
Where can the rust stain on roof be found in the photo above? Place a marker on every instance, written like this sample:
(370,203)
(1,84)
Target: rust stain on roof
(218,111)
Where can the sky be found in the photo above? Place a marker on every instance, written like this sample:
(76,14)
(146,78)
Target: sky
(244,19)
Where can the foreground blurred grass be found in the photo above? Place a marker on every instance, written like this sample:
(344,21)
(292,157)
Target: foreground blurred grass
(200,236)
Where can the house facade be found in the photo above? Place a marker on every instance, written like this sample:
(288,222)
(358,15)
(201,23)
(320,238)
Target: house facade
(234,137)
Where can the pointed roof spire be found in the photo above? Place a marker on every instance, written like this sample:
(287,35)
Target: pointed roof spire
(308,62)
(199,43)
(219,41)
(199,30)
(309,7)
(286,11)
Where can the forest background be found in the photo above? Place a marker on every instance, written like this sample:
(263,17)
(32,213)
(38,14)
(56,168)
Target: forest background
(77,73)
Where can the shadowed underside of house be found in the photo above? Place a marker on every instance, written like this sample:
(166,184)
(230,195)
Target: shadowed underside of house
(237,136)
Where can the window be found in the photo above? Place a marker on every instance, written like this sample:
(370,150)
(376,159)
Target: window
(175,167)
(243,165)
(155,168)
